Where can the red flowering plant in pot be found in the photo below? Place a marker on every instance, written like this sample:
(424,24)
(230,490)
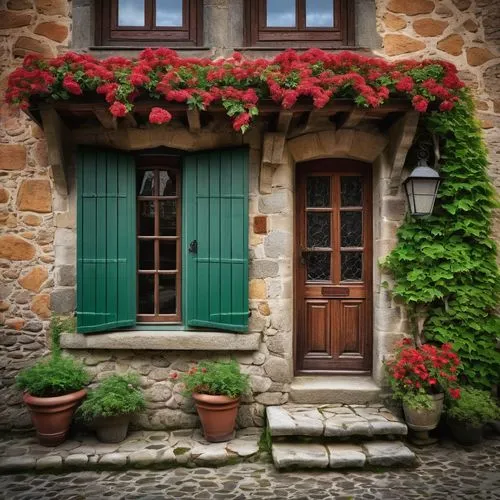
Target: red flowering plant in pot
(216,388)
(419,377)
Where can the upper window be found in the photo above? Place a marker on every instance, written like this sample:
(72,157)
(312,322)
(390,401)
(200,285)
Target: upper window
(274,23)
(149,22)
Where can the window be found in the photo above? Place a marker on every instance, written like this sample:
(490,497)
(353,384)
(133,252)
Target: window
(149,22)
(151,248)
(301,23)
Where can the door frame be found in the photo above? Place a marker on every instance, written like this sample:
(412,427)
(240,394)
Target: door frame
(338,165)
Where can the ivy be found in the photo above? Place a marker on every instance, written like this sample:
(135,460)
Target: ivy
(445,265)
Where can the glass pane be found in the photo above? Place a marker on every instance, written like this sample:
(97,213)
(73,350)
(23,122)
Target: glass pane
(167,183)
(145,182)
(351,191)
(319,13)
(318,229)
(168,217)
(351,266)
(168,255)
(167,294)
(169,12)
(351,229)
(281,14)
(146,294)
(318,191)
(146,255)
(146,218)
(318,266)
(130,12)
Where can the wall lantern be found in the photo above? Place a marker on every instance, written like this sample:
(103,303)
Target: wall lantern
(421,186)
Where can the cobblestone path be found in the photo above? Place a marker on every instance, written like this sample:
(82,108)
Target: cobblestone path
(446,472)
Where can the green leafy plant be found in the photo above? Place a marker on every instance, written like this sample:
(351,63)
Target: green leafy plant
(114,396)
(216,378)
(58,325)
(444,265)
(417,401)
(475,407)
(53,376)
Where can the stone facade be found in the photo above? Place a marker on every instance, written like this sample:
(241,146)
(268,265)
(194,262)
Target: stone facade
(37,240)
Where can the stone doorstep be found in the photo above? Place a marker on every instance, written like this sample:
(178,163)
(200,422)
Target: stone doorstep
(342,456)
(333,421)
(141,449)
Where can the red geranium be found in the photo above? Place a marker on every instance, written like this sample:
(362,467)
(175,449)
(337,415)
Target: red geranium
(159,116)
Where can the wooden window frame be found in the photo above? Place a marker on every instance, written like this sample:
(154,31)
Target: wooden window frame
(257,34)
(107,31)
(157,163)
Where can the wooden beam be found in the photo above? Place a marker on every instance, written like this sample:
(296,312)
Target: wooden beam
(106,119)
(59,146)
(193,117)
(273,149)
(284,121)
(351,119)
(129,120)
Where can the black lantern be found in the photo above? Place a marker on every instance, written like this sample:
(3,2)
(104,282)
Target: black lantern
(421,186)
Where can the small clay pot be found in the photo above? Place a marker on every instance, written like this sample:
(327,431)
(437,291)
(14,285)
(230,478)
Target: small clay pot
(111,429)
(217,415)
(52,416)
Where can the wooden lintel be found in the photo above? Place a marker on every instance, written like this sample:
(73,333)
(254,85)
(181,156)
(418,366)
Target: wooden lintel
(193,117)
(130,120)
(351,119)
(401,136)
(273,149)
(284,121)
(59,146)
(106,119)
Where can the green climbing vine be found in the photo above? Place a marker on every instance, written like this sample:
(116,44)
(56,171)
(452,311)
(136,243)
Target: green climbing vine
(445,265)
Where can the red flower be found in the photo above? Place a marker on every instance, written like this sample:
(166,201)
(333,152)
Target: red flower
(71,85)
(455,393)
(174,375)
(118,109)
(420,103)
(240,121)
(159,116)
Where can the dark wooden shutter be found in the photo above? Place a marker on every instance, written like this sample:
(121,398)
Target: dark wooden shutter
(106,246)
(216,217)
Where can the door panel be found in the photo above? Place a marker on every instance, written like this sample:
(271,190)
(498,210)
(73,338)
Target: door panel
(333,267)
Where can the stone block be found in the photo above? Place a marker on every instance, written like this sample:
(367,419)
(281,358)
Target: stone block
(452,44)
(13,247)
(52,7)
(35,196)
(411,7)
(12,157)
(34,279)
(242,447)
(401,44)
(278,244)
(113,459)
(26,45)
(76,460)
(394,23)
(278,369)
(4,195)
(263,268)
(9,20)
(346,456)
(32,220)
(301,455)
(63,300)
(259,384)
(49,462)
(478,55)
(257,289)
(388,453)
(66,275)
(14,464)
(40,305)
(271,398)
(142,458)
(53,31)
(276,202)
(429,27)
(260,224)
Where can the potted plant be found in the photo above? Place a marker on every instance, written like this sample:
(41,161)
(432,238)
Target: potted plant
(467,415)
(216,388)
(109,407)
(53,388)
(419,377)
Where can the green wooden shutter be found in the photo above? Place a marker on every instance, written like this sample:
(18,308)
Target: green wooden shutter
(216,216)
(106,246)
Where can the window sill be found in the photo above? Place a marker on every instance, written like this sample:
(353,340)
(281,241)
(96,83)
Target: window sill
(295,46)
(142,47)
(164,340)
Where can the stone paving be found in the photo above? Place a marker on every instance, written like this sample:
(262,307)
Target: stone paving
(141,449)
(447,472)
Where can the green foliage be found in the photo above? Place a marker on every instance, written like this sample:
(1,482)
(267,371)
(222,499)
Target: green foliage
(54,376)
(416,401)
(445,263)
(266,441)
(474,407)
(58,325)
(216,378)
(115,395)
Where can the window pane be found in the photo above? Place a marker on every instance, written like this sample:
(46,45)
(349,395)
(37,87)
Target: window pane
(168,217)
(281,14)
(351,191)
(130,12)
(168,12)
(319,13)
(318,229)
(146,294)
(167,294)
(318,191)
(146,255)
(145,182)
(351,266)
(168,255)
(146,218)
(167,183)
(318,266)
(351,229)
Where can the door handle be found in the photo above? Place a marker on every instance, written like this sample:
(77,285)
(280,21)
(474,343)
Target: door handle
(193,247)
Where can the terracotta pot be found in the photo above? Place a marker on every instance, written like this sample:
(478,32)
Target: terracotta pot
(464,432)
(217,415)
(425,420)
(52,416)
(111,429)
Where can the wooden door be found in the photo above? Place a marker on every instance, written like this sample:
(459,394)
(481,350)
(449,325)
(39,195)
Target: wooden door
(333,264)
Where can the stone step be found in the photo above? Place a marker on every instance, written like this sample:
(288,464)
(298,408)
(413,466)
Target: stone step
(341,389)
(342,456)
(333,421)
